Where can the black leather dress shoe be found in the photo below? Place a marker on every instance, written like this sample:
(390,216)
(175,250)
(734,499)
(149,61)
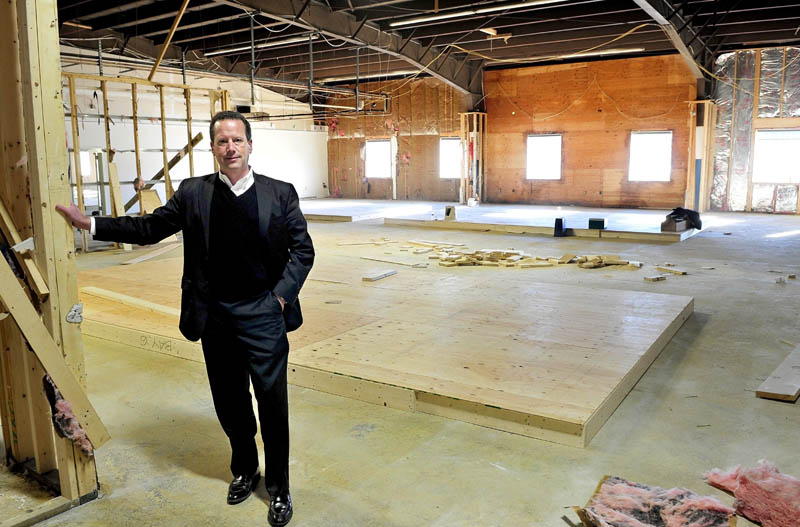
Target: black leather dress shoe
(280,509)
(241,487)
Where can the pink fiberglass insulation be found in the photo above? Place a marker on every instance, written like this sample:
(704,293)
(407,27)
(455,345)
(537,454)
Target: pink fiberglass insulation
(763,495)
(621,503)
(64,419)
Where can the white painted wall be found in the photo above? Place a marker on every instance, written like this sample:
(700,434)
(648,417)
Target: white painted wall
(290,150)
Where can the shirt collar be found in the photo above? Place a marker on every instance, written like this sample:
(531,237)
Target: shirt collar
(241,185)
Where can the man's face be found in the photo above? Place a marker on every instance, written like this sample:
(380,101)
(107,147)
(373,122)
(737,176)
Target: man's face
(231,147)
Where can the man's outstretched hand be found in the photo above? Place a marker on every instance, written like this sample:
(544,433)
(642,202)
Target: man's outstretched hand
(73,215)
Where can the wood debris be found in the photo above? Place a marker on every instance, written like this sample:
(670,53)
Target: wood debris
(656,278)
(377,275)
(668,270)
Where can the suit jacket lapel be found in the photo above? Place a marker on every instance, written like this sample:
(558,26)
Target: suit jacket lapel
(264,197)
(204,204)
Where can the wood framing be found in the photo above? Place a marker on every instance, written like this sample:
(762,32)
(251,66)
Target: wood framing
(76,156)
(135,111)
(34,117)
(167,181)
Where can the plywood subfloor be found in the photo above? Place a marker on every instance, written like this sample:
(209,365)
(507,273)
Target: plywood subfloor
(635,224)
(545,360)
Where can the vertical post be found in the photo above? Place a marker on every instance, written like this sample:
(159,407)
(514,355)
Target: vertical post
(311,73)
(109,154)
(54,253)
(167,181)
(252,65)
(183,65)
(462,190)
(357,74)
(212,105)
(688,195)
(748,207)
(187,94)
(76,151)
(135,109)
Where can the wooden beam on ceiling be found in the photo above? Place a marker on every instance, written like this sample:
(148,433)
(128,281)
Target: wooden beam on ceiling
(165,46)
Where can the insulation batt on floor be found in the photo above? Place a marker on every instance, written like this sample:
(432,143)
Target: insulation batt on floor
(621,503)
(763,495)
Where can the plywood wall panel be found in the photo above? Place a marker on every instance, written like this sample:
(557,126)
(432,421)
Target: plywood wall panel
(595,106)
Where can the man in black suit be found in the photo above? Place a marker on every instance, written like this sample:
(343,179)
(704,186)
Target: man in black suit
(247,253)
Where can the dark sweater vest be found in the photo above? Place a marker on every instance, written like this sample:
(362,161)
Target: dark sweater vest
(237,254)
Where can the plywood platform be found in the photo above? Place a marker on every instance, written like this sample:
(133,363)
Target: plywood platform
(629,224)
(545,360)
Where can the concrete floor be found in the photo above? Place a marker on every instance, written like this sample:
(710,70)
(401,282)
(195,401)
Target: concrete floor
(355,464)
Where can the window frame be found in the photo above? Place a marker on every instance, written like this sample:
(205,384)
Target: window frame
(460,158)
(793,180)
(630,155)
(528,168)
(389,159)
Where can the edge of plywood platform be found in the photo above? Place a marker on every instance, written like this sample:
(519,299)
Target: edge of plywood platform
(530,425)
(615,398)
(670,237)
(146,340)
(365,390)
(328,217)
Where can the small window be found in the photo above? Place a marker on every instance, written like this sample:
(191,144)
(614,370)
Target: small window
(378,159)
(450,158)
(650,156)
(544,156)
(775,156)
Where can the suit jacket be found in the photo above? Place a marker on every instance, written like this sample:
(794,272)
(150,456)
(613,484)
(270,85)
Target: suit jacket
(281,225)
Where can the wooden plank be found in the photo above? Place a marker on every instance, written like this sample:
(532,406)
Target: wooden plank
(13,236)
(167,181)
(166,43)
(116,196)
(670,270)
(172,162)
(784,383)
(76,156)
(130,301)
(54,254)
(378,275)
(146,340)
(41,512)
(152,254)
(135,110)
(187,94)
(128,80)
(26,317)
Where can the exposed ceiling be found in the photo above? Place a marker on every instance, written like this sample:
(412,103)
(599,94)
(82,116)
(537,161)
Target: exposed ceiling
(335,41)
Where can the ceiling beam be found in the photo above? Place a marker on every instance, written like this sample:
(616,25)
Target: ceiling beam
(342,26)
(664,16)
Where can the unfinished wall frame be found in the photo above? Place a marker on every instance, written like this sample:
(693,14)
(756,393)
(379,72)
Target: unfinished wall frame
(34,163)
(218,101)
(768,97)
(473,165)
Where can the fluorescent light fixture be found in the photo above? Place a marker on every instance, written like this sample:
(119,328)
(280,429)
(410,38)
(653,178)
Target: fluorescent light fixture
(368,76)
(269,44)
(540,58)
(467,12)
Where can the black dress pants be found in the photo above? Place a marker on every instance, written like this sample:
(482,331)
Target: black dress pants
(246,341)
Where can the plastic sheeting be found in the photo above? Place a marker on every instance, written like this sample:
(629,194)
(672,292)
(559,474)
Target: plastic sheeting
(724,68)
(763,194)
(791,85)
(742,130)
(786,198)
(770,78)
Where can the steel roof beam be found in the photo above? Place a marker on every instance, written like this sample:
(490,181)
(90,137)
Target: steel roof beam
(666,17)
(342,26)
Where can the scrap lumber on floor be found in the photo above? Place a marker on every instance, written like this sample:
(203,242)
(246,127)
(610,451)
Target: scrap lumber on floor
(377,275)
(784,383)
